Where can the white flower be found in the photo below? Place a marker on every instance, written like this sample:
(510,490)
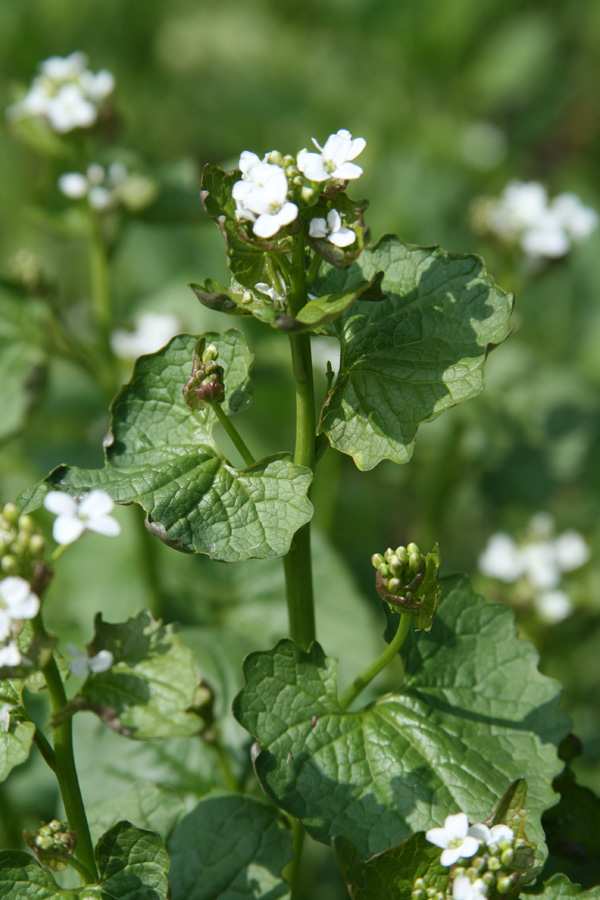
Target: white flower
(59,68)
(492,835)
(82,664)
(520,206)
(99,86)
(540,564)
(332,230)
(454,839)
(70,109)
(333,160)
(553,606)
(265,288)
(152,331)
(17,602)
(571,550)
(89,512)
(261,197)
(545,238)
(10,655)
(465,889)
(578,220)
(5,716)
(73,185)
(501,558)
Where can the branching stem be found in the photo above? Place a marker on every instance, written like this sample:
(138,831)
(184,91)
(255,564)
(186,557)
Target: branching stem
(366,677)
(233,434)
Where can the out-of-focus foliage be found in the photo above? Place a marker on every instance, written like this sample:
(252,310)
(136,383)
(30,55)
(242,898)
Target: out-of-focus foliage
(454,99)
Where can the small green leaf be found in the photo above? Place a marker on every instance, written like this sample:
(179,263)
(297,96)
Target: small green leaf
(149,806)
(560,888)
(146,692)
(227,848)
(236,301)
(322,310)
(391,875)
(16,741)
(133,864)
(418,352)
(162,456)
(23,343)
(22,877)
(472,715)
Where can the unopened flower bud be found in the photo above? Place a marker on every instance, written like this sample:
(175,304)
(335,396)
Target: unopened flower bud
(472,873)
(9,565)
(494,849)
(26,524)
(494,864)
(396,565)
(489,878)
(439,895)
(275,157)
(394,585)
(288,160)
(297,180)
(417,894)
(307,194)
(388,553)
(412,548)
(478,863)
(385,571)
(458,871)
(36,544)
(377,560)
(508,857)
(211,352)
(415,561)
(11,513)
(504,885)
(419,884)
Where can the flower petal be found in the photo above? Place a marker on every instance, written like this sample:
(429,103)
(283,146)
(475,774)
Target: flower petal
(96,504)
(456,826)
(101,662)
(501,833)
(311,165)
(104,525)
(80,665)
(67,529)
(450,856)
(469,847)
(481,832)
(347,171)
(343,237)
(60,503)
(318,228)
(437,836)
(10,655)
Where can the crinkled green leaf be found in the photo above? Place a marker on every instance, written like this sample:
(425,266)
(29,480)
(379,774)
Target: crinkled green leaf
(391,875)
(132,864)
(420,351)
(560,888)
(22,878)
(149,806)
(23,344)
(149,688)
(473,715)
(161,455)
(227,848)
(15,743)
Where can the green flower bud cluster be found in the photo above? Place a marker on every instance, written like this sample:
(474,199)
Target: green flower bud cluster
(494,865)
(205,384)
(53,843)
(21,545)
(422,892)
(399,574)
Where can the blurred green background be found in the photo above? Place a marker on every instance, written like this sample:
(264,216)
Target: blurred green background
(422,81)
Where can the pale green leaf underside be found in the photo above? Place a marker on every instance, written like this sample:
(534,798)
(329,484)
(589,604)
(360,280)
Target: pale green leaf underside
(420,351)
(229,848)
(162,456)
(472,716)
(151,682)
(15,744)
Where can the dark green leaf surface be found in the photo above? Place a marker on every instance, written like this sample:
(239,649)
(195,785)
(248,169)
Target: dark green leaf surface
(560,888)
(162,456)
(15,744)
(132,864)
(229,847)
(391,875)
(22,877)
(147,690)
(472,716)
(420,351)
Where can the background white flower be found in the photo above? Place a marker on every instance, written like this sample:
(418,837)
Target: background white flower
(74,516)
(82,664)
(10,655)
(17,602)
(454,838)
(151,332)
(465,889)
(333,160)
(332,230)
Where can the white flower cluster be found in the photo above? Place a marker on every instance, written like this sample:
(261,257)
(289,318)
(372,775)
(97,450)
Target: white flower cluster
(65,93)
(151,332)
(262,195)
(90,512)
(543,228)
(17,603)
(108,188)
(540,559)
(459,841)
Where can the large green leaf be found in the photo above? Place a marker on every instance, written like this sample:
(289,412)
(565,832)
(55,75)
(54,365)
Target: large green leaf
(22,357)
(22,877)
(15,743)
(473,715)
(227,848)
(149,689)
(413,355)
(162,456)
(146,805)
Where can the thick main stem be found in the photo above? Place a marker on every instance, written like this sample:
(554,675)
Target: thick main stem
(366,677)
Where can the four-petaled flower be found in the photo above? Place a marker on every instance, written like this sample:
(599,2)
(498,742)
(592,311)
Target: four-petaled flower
(17,602)
(89,512)
(82,664)
(333,160)
(454,839)
(332,230)
(261,196)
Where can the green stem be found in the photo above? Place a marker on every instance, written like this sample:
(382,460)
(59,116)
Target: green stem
(228,777)
(66,773)
(102,309)
(313,269)
(297,563)
(292,872)
(45,749)
(365,678)
(81,869)
(233,434)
